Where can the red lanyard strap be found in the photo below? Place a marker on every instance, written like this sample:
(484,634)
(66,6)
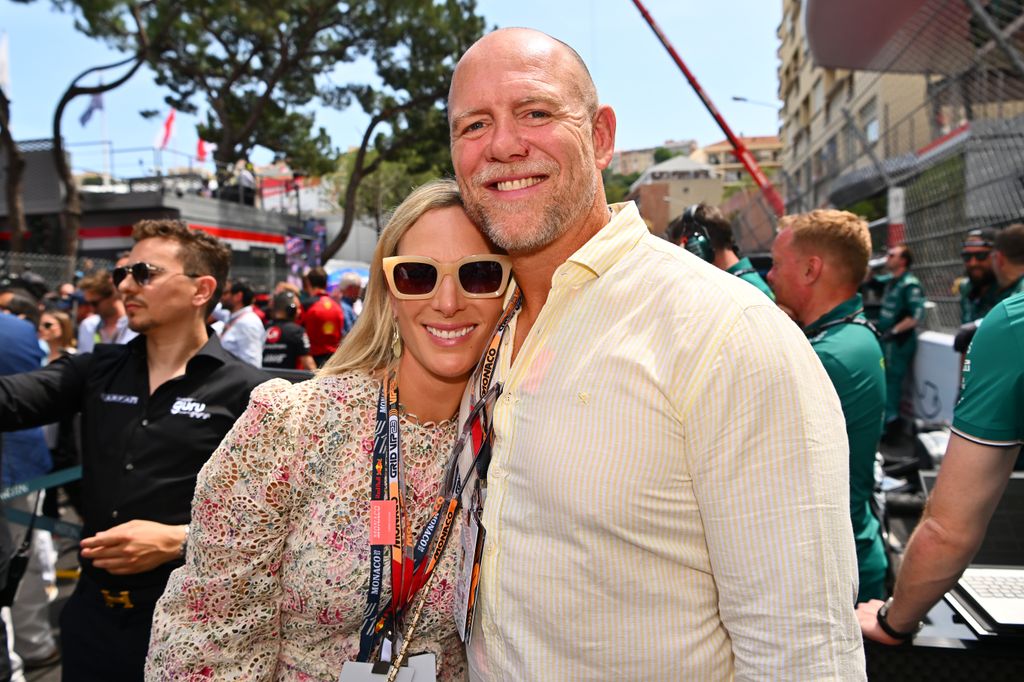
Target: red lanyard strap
(413,571)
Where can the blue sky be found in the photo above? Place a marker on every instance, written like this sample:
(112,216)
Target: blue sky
(730,46)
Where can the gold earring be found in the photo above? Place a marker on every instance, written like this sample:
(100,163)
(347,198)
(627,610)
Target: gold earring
(396,342)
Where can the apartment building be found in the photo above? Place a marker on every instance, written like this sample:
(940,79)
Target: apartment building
(629,161)
(664,190)
(767,149)
(834,121)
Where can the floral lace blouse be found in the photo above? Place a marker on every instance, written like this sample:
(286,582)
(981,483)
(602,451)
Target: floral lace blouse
(275,581)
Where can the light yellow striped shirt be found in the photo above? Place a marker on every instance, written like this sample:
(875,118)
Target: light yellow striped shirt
(668,494)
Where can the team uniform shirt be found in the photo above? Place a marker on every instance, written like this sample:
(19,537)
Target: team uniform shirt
(852,358)
(243,335)
(90,333)
(975,302)
(324,323)
(744,269)
(991,406)
(666,499)
(140,452)
(904,297)
(284,344)
(1015,288)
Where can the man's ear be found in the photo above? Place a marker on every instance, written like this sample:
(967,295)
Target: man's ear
(813,268)
(604,136)
(206,285)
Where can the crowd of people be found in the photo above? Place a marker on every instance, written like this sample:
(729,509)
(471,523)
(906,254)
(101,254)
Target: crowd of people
(554,446)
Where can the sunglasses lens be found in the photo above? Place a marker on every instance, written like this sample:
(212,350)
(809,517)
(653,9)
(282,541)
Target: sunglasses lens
(118,275)
(968,256)
(140,273)
(415,279)
(481,277)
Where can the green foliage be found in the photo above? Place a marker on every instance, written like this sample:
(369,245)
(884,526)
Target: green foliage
(663,154)
(381,191)
(253,65)
(616,186)
(415,54)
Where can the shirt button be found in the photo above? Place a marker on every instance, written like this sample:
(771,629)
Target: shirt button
(129,466)
(496,472)
(113,514)
(145,422)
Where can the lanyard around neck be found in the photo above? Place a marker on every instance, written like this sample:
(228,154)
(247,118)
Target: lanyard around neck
(413,564)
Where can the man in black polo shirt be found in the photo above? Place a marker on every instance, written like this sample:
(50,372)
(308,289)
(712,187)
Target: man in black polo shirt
(152,413)
(286,345)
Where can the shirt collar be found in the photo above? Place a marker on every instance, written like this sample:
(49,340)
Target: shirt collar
(742,264)
(848,307)
(211,349)
(238,313)
(612,242)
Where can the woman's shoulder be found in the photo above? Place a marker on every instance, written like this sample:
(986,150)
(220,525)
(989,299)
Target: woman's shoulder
(352,385)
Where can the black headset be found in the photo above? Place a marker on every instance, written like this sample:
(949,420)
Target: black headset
(695,235)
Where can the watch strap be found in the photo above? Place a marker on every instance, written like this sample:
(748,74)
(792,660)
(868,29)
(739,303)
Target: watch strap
(890,630)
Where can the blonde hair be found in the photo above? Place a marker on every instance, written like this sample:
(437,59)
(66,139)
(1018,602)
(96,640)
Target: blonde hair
(368,346)
(67,329)
(839,234)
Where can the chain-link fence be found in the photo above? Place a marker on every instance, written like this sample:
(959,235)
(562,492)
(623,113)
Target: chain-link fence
(52,269)
(943,122)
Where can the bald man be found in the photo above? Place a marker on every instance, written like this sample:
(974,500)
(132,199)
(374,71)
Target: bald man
(665,496)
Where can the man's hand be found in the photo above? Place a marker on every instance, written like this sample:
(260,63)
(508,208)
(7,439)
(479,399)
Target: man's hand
(134,547)
(867,616)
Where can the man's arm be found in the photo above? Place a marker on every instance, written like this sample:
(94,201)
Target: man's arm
(915,303)
(971,481)
(252,333)
(771,475)
(45,395)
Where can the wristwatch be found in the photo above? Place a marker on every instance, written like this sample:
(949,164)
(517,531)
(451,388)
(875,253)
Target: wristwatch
(889,630)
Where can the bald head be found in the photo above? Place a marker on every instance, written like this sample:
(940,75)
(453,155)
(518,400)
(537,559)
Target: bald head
(529,46)
(529,141)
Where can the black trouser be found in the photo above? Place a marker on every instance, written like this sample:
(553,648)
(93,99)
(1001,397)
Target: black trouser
(106,643)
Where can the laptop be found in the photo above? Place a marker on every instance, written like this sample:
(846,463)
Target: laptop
(990,593)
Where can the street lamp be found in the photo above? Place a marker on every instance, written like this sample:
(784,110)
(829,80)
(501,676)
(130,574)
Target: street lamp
(737,98)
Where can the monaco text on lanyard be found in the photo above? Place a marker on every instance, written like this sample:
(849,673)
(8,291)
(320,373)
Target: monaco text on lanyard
(412,565)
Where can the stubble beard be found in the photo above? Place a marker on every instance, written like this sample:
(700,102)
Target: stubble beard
(558,216)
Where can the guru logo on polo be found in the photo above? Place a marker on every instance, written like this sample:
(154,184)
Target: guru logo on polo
(190,407)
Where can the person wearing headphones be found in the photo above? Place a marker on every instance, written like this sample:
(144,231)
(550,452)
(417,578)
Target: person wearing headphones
(286,344)
(703,231)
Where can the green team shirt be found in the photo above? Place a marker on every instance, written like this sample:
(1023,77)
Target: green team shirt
(1012,290)
(904,297)
(975,305)
(852,357)
(744,264)
(991,406)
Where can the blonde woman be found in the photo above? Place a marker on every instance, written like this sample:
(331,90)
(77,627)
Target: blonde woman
(278,570)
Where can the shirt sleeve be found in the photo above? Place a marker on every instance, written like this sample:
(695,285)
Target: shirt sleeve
(45,395)
(991,406)
(253,333)
(219,617)
(915,301)
(770,463)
